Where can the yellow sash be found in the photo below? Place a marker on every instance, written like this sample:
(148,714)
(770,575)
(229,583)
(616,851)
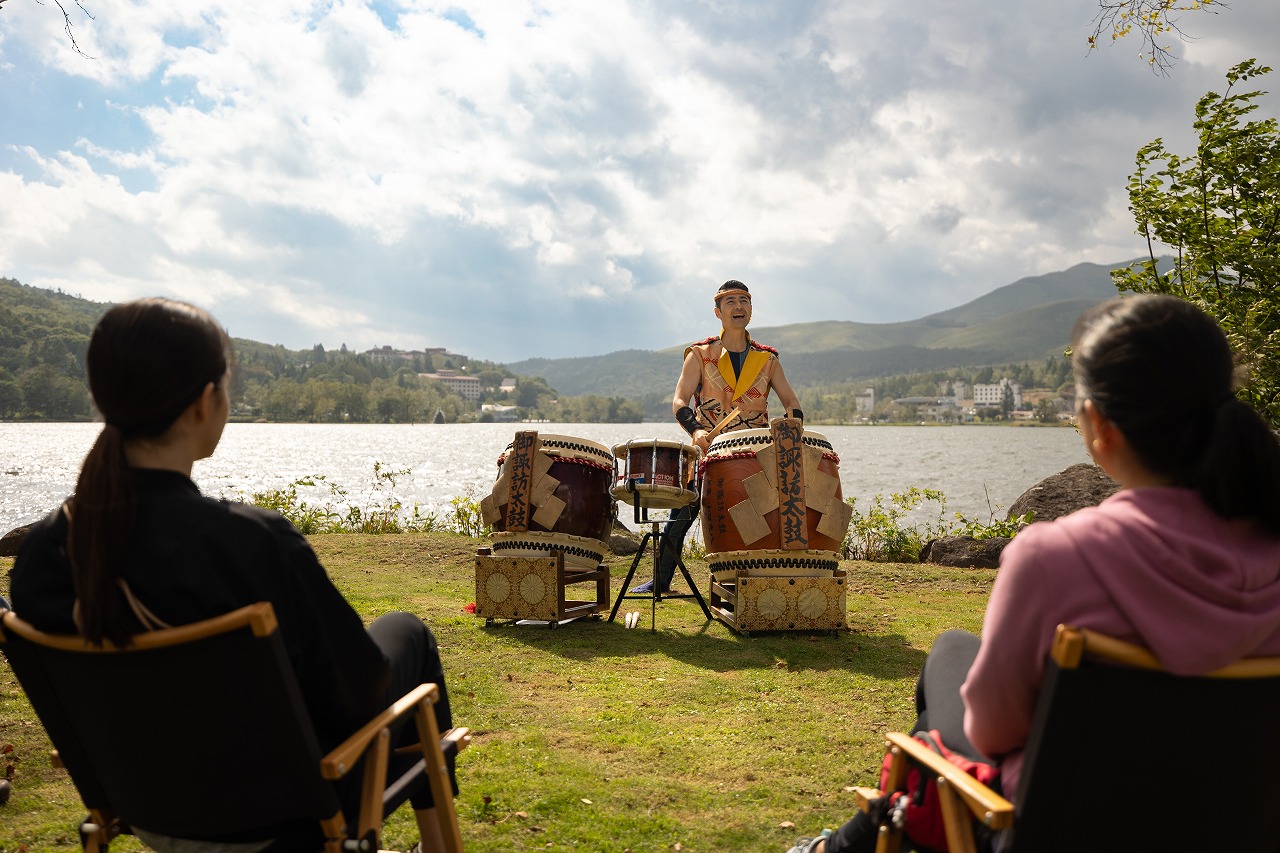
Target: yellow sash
(751,367)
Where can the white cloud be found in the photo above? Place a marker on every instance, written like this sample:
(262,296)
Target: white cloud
(513,179)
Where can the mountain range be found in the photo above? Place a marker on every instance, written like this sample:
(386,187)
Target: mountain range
(1023,321)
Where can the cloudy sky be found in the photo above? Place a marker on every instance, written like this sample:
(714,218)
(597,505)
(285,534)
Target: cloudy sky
(512,179)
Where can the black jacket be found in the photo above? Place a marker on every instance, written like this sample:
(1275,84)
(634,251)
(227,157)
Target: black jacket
(191,557)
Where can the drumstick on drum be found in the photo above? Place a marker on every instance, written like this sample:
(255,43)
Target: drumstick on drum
(737,412)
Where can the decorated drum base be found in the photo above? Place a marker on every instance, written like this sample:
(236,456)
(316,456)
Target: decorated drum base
(580,553)
(748,602)
(509,587)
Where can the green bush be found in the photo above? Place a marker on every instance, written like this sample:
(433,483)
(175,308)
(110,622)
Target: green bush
(885,534)
(383,512)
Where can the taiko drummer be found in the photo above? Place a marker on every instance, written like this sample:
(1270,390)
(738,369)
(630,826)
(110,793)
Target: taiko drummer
(724,385)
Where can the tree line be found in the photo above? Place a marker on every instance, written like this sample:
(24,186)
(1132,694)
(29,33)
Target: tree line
(44,336)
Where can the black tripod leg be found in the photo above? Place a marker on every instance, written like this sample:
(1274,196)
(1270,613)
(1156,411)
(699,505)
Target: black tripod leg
(706,611)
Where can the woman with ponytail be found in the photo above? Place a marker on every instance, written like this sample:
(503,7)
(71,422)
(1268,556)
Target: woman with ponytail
(1184,559)
(137,547)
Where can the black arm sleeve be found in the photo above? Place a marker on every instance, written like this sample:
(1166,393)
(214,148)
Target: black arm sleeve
(687,419)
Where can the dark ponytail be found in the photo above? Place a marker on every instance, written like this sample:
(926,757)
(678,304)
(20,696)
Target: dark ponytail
(1162,371)
(147,362)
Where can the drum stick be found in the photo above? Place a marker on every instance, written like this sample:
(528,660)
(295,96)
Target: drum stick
(724,423)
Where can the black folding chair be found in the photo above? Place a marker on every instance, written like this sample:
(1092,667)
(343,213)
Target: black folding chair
(1123,756)
(199,732)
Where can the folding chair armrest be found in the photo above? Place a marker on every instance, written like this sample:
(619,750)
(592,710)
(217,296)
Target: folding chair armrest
(865,796)
(985,804)
(344,756)
(460,738)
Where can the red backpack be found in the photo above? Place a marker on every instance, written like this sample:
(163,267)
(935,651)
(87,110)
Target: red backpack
(920,808)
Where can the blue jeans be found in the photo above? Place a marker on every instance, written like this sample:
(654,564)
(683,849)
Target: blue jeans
(673,534)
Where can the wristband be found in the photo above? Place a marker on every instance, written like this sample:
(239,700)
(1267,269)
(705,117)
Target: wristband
(798,415)
(686,418)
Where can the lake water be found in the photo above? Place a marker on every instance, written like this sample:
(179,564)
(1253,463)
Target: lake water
(977,467)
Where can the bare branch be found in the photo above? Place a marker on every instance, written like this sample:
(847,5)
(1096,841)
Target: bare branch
(1153,20)
(66,17)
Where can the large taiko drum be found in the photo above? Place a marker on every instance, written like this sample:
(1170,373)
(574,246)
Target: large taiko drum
(657,473)
(771,499)
(552,494)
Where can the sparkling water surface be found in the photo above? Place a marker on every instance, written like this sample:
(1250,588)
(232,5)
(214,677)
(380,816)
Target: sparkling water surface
(979,468)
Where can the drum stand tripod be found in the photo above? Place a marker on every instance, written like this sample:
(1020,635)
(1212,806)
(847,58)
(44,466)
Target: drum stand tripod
(660,541)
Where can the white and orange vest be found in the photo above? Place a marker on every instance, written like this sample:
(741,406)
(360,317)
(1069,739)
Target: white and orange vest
(719,392)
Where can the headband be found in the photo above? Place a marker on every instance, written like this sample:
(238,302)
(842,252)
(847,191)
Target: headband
(731,293)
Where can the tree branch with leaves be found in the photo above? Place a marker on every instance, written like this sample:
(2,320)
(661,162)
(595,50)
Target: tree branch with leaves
(1219,210)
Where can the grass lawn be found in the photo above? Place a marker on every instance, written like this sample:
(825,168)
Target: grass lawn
(594,737)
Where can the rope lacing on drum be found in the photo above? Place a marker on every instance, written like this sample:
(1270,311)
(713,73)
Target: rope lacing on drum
(748,454)
(548,546)
(748,440)
(557,457)
(772,563)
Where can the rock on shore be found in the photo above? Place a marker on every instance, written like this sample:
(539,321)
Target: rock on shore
(1073,488)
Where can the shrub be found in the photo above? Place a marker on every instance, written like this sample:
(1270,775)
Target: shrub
(885,534)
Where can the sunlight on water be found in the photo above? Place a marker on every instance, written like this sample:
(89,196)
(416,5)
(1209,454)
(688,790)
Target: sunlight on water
(39,462)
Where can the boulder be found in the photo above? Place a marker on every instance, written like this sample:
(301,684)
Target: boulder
(1076,487)
(964,551)
(12,541)
(623,542)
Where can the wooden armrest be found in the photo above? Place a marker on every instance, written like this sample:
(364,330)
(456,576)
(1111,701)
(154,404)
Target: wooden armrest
(459,737)
(865,796)
(344,756)
(988,806)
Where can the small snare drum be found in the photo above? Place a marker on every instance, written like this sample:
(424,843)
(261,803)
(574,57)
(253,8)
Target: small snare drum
(655,471)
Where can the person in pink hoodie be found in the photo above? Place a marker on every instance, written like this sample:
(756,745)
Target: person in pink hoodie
(1184,559)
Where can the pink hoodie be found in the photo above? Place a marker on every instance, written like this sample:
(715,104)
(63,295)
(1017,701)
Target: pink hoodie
(1154,566)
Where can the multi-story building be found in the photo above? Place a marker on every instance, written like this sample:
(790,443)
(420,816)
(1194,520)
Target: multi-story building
(386,353)
(865,401)
(466,387)
(993,395)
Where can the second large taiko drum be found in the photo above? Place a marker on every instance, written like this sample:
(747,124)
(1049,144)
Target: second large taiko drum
(552,495)
(771,499)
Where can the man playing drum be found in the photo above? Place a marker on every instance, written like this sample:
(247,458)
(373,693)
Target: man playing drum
(723,386)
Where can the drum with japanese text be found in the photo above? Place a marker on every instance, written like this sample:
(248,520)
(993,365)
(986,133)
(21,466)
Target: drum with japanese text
(552,494)
(771,500)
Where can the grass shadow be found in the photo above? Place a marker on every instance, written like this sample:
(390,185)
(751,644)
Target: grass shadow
(684,635)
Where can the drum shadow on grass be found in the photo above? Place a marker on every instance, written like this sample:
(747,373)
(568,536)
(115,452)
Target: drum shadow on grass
(715,648)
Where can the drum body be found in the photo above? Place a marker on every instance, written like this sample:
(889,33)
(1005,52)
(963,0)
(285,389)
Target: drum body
(773,496)
(552,494)
(657,472)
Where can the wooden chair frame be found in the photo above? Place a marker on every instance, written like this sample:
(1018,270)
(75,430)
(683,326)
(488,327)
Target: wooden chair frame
(965,800)
(34,656)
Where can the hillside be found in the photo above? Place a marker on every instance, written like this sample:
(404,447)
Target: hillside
(1023,321)
(44,334)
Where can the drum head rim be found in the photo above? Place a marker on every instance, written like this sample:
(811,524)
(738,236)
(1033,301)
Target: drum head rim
(642,443)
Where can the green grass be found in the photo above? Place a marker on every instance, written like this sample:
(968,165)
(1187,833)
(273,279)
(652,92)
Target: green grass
(593,737)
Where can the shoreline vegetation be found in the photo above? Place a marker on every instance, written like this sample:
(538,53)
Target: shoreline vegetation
(886,529)
(44,336)
(596,737)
